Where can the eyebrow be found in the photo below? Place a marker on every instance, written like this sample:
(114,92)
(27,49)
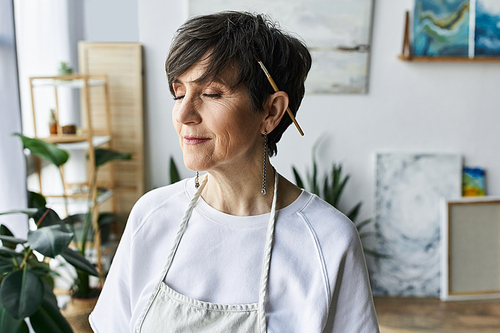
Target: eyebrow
(201,81)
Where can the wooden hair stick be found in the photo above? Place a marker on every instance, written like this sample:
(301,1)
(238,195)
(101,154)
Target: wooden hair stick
(275,87)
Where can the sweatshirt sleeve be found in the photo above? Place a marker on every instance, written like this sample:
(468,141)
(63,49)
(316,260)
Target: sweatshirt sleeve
(351,307)
(112,312)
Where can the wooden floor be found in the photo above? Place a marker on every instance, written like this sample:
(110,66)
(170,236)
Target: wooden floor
(405,315)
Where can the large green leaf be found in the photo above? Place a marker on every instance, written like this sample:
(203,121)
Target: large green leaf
(45,150)
(79,261)
(50,241)
(174,172)
(21,293)
(49,218)
(103,156)
(48,318)
(36,200)
(10,325)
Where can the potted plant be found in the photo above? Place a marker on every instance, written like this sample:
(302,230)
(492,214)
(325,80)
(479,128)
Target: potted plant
(81,288)
(330,190)
(26,287)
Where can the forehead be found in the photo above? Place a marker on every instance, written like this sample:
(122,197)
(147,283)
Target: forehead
(202,73)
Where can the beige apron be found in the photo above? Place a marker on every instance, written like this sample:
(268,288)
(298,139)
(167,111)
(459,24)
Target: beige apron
(169,311)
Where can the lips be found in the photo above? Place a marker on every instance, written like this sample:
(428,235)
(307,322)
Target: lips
(194,140)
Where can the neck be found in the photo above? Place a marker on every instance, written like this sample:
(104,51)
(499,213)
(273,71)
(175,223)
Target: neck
(238,192)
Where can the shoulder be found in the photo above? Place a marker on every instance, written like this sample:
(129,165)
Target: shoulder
(156,199)
(332,228)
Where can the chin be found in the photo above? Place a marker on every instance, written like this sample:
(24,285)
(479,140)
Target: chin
(194,162)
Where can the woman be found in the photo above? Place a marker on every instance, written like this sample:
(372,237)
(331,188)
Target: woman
(240,249)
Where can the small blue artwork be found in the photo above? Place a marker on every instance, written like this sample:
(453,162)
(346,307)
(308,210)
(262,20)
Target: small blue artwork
(487,31)
(441,28)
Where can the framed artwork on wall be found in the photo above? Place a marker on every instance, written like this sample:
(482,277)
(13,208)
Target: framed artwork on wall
(337,33)
(456,28)
(470,249)
(408,191)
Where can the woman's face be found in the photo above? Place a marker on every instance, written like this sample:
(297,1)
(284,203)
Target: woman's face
(216,124)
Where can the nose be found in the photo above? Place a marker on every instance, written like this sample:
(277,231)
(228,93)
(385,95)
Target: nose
(186,112)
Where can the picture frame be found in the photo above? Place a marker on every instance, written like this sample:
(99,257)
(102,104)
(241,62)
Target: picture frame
(470,231)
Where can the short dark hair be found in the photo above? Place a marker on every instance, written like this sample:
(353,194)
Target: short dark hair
(235,37)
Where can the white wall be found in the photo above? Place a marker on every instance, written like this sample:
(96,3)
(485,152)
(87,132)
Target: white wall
(410,107)
(111,20)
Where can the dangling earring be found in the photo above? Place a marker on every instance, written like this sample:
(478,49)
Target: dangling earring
(263,191)
(197,180)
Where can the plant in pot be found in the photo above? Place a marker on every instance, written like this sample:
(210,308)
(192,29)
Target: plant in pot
(57,157)
(26,288)
(330,190)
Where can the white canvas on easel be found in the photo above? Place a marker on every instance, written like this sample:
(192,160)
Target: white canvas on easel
(470,229)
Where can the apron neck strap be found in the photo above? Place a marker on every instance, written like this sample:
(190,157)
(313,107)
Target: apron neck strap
(266,264)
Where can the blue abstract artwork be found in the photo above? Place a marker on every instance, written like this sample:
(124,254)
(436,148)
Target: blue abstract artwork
(487,29)
(458,28)
(408,191)
(441,28)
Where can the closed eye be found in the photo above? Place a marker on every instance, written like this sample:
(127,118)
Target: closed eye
(212,95)
(177,98)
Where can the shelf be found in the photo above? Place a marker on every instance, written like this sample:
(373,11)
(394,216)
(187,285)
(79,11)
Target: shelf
(74,83)
(78,198)
(83,145)
(75,142)
(448,59)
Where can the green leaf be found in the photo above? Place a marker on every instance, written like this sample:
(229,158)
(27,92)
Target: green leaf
(76,218)
(367,234)
(22,293)
(360,225)
(79,261)
(107,218)
(36,200)
(6,267)
(103,156)
(4,231)
(376,254)
(9,253)
(50,241)
(51,218)
(45,150)
(37,267)
(353,214)
(298,179)
(10,241)
(29,211)
(10,325)
(48,318)
(174,173)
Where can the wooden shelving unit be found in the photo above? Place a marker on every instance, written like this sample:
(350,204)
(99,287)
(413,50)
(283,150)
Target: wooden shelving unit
(86,139)
(406,52)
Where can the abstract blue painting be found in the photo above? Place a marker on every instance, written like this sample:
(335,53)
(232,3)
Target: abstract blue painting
(407,221)
(487,29)
(441,28)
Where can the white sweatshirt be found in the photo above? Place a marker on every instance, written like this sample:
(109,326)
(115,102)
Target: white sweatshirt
(318,279)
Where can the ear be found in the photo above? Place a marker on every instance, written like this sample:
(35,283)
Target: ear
(275,108)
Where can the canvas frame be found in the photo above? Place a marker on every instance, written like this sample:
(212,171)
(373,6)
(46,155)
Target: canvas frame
(451,229)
